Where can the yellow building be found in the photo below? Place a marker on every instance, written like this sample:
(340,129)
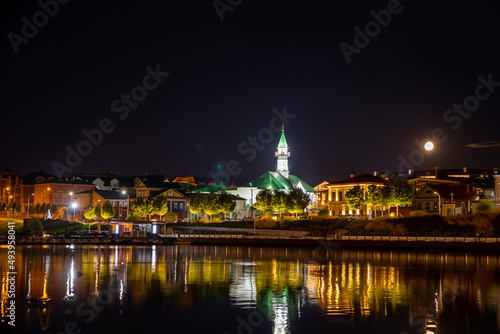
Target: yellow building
(336,202)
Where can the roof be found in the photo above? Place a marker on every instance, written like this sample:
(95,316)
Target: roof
(238,198)
(445,190)
(362,178)
(213,187)
(282,142)
(275,180)
(110,194)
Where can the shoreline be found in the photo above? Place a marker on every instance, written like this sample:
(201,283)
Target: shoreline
(281,242)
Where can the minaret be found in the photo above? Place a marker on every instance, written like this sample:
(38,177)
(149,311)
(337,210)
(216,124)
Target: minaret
(282,154)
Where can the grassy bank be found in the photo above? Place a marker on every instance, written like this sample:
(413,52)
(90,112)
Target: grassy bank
(484,223)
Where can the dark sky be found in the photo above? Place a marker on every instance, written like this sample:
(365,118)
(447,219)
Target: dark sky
(226,77)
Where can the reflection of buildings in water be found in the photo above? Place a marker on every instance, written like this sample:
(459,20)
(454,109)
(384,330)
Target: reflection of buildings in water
(348,290)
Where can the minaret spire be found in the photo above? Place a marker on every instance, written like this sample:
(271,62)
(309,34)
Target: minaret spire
(282,154)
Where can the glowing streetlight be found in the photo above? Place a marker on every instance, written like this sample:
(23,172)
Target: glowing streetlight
(29,204)
(74,205)
(429,146)
(128,201)
(439,202)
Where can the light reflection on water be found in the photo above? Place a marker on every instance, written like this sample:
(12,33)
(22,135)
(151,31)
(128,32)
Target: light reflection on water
(86,284)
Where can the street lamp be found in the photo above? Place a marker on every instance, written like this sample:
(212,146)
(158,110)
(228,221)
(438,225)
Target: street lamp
(29,204)
(439,202)
(74,205)
(128,201)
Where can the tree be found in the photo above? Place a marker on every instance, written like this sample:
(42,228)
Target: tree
(160,205)
(212,206)
(297,201)
(171,216)
(108,211)
(355,198)
(279,201)
(197,203)
(264,201)
(89,212)
(402,191)
(36,226)
(36,208)
(140,207)
(386,197)
(53,209)
(483,206)
(374,197)
(98,211)
(226,203)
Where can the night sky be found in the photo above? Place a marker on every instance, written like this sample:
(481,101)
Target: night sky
(226,77)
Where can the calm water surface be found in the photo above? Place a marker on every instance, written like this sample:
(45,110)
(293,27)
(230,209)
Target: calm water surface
(219,289)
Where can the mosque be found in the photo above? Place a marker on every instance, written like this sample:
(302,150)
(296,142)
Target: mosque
(280,179)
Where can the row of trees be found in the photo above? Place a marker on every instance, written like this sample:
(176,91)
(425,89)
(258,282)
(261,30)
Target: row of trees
(145,207)
(277,200)
(17,208)
(105,211)
(211,204)
(395,193)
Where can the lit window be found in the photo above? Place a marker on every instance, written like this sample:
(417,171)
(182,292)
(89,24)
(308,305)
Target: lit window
(175,205)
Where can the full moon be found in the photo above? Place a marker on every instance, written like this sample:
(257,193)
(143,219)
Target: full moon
(429,146)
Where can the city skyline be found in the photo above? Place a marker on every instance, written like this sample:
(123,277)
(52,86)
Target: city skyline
(183,89)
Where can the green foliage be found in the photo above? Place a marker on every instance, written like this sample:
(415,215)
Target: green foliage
(374,196)
(264,201)
(89,212)
(212,206)
(279,201)
(160,206)
(171,216)
(98,211)
(297,201)
(197,203)
(141,207)
(402,192)
(36,225)
(483,206)
(355,198)
(226,203)
(108,211)
(132,216)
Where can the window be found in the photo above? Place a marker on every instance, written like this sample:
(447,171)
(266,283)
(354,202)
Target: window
(64,199)
(64,189)
(81,189)
(428,191)
(340,196)
(55,199)
(182,205)
(55,188)
(74,188)
(176,205)
(170,193)
(435,205)
(427,205)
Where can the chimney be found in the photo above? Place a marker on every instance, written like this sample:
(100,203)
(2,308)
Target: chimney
(375,173)
(436,172)
(410,171)
(352,174)
(464,169)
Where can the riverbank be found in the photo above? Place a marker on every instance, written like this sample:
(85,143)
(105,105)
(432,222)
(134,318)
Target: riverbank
(467,244)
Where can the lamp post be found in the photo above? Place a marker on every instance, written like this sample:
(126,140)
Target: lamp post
(439,202)
(128,201)
(29,204)
(74,205)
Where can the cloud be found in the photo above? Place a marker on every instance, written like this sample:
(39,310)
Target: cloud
(484,144)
